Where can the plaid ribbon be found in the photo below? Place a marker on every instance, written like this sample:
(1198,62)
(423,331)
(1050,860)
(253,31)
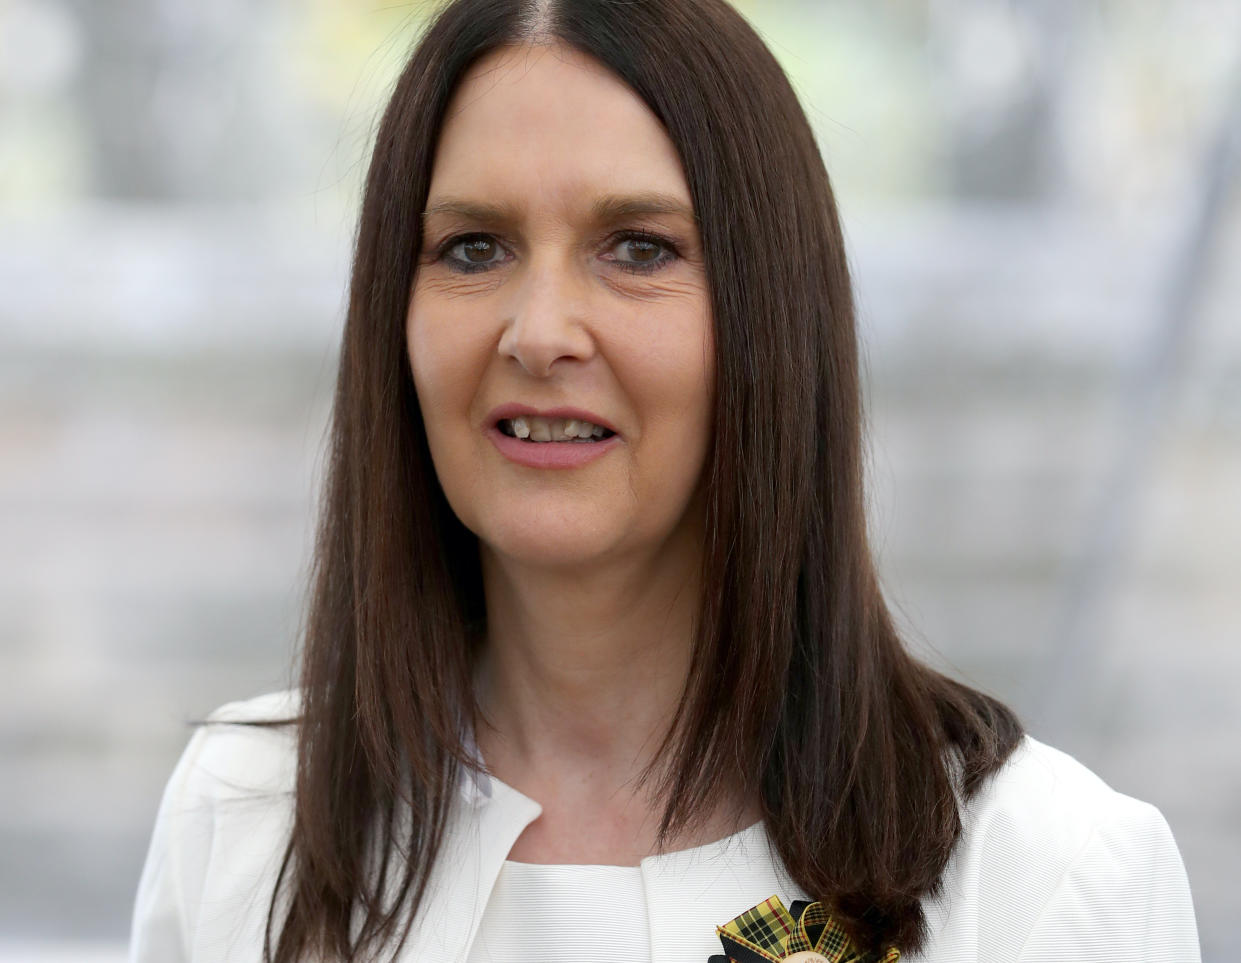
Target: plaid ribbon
(769,933)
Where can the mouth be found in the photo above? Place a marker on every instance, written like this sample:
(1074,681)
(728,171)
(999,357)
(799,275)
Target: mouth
(539,430)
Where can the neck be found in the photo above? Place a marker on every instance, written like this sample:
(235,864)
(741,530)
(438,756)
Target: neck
(583,670)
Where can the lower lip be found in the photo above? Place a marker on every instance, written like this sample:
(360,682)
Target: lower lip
(551,454)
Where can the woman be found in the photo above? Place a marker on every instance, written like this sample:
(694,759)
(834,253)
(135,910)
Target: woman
(597,661)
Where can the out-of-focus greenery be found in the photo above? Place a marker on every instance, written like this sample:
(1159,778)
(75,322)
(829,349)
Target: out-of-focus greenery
(346,54)
(1099,102)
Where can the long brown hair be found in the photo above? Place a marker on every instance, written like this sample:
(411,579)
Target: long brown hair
(858,749)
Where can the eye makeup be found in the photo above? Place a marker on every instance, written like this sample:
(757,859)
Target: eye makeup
(638,238)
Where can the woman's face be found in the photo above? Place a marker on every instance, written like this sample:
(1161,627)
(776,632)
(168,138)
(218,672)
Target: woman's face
(560,291)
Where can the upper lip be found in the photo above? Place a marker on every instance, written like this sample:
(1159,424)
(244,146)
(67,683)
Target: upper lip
(513,409)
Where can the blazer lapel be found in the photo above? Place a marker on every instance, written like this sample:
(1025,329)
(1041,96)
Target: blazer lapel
(486,819)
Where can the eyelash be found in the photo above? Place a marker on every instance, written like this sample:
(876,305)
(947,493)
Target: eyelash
(633,267)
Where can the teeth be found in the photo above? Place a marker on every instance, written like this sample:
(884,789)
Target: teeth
(532,428)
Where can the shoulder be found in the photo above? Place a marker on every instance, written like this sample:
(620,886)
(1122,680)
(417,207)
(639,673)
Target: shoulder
(219,836)
(1044,802)
(1053,860)
(245,748)
(272,707)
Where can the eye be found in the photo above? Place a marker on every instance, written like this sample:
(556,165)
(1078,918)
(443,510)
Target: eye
(638,252)
(646,252)
(469,253)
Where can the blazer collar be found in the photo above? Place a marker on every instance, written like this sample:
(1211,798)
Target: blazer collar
(476,788)
(484,823)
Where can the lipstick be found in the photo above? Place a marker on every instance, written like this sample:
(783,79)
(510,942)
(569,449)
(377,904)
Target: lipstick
(548,454)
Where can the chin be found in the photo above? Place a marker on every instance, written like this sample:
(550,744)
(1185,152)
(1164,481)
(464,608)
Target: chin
(556,542)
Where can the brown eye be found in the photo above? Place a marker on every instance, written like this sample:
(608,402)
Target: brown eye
(642,253)
(479,250)
(470,253)
(641,250)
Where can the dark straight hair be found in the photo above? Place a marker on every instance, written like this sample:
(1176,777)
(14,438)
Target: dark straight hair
(800,686)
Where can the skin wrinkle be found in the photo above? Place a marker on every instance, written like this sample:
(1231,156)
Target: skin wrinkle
(460,287)
(603,210)
(455,216)
(643,286)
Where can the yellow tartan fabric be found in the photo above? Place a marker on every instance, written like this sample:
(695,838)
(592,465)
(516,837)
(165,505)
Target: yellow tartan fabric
(770,932)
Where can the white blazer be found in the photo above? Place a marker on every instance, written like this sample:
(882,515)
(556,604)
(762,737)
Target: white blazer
(1052,866)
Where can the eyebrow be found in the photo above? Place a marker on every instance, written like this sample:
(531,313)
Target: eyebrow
(610,207)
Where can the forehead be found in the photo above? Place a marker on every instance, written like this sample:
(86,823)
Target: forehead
(549,124)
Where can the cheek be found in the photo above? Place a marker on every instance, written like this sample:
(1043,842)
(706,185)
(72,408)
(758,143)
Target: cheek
(445,381)
(444,364)
(682,377)
(673,380)
(698,392)
(446,372)
(420,347)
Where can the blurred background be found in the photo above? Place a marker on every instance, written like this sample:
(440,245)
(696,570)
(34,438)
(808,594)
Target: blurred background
(1042,203)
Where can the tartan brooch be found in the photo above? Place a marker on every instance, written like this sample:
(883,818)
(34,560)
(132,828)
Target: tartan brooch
(806,933)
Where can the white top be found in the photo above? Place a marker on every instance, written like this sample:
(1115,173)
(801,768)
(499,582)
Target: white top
(564,914)
(1052,865)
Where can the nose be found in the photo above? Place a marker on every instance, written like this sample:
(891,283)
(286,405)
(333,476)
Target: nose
(547,321)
